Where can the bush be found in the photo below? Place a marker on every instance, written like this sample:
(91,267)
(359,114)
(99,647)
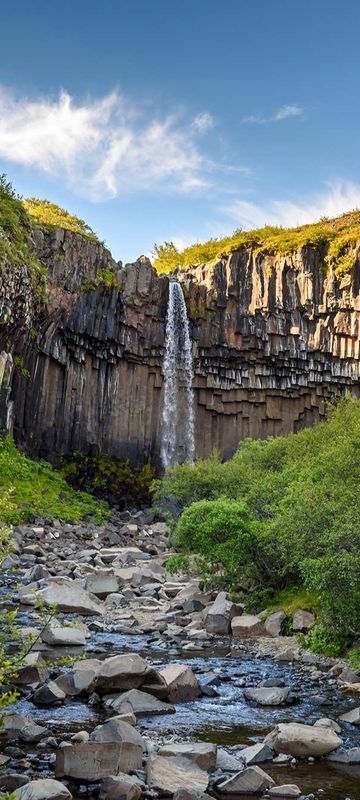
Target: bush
(116,481)
(302,501)
(223,534)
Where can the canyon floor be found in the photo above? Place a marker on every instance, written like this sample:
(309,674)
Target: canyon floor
(171,690)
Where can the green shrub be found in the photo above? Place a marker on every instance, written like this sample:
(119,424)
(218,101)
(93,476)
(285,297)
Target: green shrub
(224,535)
(302,500)
(116,481)
(29,488)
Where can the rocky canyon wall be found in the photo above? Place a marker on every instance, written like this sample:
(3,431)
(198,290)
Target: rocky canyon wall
(274,338)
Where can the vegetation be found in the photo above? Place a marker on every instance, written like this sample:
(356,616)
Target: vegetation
(105,277)
(52,216)
(116,481)
(335,241)
(29,488)
(281,515)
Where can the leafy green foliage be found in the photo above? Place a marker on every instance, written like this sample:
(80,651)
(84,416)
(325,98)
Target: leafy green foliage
(117,481)
(15,226)
(43,212)
(32,487)
(223,534)
(333,239)
(105,277)
(303,505)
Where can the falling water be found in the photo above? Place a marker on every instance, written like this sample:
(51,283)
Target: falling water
(177,434)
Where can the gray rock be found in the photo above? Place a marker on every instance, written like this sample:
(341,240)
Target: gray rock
(342,756)
(274,622)
(66,595)
(43,789)
(120,787)
(141,703)
(168,774)
(115,730)
(91,761)
(181,683)
(272,696)
(63,635)
(201,753)
(48,694)
(353,716)
(252,780)
(218,616)
(303,620)
(33,733)
(128,671)
(247,625)
(256,754)
(286,790)
(303,740)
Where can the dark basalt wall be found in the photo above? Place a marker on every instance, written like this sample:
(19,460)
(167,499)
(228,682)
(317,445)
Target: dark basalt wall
(274,339)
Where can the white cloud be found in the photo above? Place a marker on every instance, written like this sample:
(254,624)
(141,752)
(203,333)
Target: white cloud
(288,111)
(337,198)
(282,113)
(102,147)
(203,122)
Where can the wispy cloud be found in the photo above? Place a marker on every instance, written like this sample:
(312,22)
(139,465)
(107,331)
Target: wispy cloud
(288,111)
(203,122)
(104,146)
(334,200)
(282,113)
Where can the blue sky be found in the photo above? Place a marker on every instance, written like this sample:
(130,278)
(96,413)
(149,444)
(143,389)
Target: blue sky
(182,119)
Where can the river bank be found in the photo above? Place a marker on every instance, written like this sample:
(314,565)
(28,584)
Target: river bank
(144,632)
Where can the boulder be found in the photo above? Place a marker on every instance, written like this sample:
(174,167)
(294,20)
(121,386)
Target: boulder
(271,696)
(48,694)
(348,675)
(102,582)
(181,682)
(13,723)
(303,620)
(274,623)
(115,730)
(43,789)
(91,761)
(120,787)
(63,635)
(256,754)
(218,616)
(33,733)
(201,753)
(141,703)
(342,756)
(128,671)
(286,790)
(166,775)
(66,595)
(352,716)
(190,794)
(303,740)
(227,762)
(84,673)
(324,722)
(252,780)
(247,625)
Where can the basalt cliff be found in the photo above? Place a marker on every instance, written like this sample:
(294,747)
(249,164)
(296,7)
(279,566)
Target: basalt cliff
(274,338)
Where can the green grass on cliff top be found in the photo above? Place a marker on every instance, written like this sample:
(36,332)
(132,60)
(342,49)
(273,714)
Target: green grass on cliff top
(29,488)
(49,214)
(334,239)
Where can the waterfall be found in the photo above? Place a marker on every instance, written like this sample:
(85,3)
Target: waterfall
(177,421)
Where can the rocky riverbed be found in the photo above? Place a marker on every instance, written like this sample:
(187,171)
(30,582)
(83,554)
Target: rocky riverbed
(172,690)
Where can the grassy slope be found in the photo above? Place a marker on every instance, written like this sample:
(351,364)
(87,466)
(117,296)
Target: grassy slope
(334,239)
(49,214)
(29,488)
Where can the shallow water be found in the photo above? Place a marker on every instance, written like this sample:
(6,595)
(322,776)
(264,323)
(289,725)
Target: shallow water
(227,718)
